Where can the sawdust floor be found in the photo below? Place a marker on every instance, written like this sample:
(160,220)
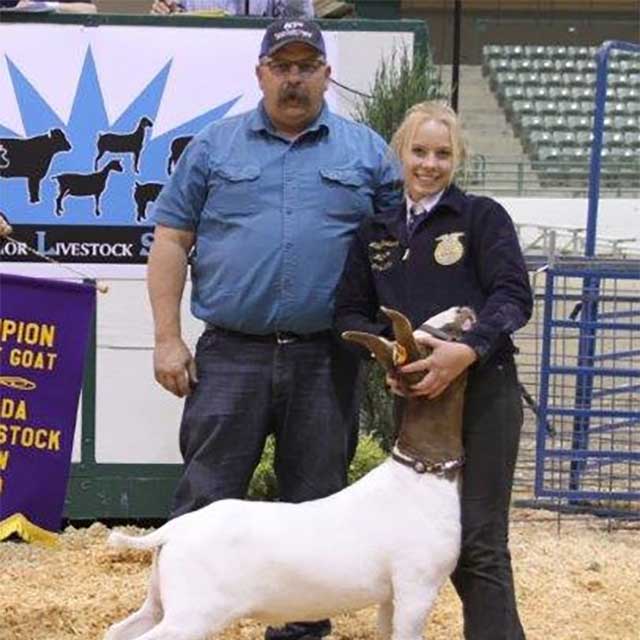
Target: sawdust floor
(581,583)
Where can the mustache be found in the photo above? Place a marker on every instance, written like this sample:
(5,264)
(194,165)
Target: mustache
(289,93)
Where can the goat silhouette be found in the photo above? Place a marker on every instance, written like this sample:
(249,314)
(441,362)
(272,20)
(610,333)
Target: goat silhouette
(144,193)
(123,143)
(31,158)
(85,184)
(177,147)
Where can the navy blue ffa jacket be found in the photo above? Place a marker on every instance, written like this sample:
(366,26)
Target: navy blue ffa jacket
(465,252)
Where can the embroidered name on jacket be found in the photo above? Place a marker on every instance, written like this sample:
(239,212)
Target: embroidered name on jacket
(449,249)
(380,254)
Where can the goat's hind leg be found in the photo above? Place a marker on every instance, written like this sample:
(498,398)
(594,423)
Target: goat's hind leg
(385,619)
(187,625)
(145,618)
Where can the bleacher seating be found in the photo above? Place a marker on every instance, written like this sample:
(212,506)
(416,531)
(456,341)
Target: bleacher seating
(548,96)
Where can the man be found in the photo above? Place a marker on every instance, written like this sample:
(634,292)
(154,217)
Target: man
(268,201)
(267,8)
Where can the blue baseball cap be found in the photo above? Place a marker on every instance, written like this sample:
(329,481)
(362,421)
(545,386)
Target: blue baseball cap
(283,32)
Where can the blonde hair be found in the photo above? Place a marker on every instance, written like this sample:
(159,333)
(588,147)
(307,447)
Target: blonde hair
(423,112)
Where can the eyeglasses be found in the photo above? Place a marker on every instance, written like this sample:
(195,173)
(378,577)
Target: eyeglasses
(306,68)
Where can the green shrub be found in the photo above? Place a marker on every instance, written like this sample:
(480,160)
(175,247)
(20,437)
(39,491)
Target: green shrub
(376,409)
(400,82)
(263,486)
(369,455)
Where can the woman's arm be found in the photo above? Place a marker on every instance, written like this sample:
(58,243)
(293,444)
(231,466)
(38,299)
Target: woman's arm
(502,274)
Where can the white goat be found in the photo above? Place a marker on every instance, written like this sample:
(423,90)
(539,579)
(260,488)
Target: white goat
(390,539)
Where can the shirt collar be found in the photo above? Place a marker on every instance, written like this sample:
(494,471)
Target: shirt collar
(424,205)
(259,120)
(452,198)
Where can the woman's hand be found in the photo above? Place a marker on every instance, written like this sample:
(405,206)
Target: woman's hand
(445,363)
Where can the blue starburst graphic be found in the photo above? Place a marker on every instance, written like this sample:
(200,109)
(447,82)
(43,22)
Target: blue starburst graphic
(88,119)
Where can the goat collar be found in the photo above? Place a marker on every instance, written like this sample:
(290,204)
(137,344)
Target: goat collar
(442,468)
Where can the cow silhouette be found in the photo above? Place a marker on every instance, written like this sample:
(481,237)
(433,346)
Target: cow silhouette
(85,184)
(124,143)
(144,193)
(177,147)
(31,158)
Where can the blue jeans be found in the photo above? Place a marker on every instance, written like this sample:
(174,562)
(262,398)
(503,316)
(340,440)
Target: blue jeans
(305,392)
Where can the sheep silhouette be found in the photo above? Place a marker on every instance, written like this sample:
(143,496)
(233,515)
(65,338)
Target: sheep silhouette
(83,184)
(144,193)
(123,143)
(31,158)
(177,147)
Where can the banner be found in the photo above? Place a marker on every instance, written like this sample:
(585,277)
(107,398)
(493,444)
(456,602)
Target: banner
(44,332)
(91,131)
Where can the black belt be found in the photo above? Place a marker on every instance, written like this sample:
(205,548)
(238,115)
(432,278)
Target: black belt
(278,337)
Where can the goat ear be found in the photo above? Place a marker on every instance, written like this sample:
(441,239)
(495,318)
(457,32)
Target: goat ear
(403,332)
(381,348)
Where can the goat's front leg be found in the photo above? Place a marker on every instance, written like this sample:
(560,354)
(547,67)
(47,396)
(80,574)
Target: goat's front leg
(411,607)
(97,211)
(385,619)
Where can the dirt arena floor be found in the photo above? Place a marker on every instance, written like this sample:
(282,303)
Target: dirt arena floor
(578,583)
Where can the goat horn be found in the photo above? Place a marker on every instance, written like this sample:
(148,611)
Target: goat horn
(381,348)
(403,332)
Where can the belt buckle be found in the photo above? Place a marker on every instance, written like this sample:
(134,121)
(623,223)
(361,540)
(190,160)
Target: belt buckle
(284,337)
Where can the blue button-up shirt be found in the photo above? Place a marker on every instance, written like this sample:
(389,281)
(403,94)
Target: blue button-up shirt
(273,218)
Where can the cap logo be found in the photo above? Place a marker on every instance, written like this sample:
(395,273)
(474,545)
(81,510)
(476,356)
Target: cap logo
(300,33)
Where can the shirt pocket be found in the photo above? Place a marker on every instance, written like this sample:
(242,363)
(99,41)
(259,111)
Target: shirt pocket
(347,191)
(234,189)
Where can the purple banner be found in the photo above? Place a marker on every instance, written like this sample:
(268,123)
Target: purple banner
(44,332)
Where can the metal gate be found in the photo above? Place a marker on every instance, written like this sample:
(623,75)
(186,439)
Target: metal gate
(588,428)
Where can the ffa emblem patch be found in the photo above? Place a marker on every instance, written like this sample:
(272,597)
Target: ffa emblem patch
(449,248)
(380,254)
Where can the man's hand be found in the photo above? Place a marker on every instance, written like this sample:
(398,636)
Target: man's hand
(174,366)
(165,7)
(445,363)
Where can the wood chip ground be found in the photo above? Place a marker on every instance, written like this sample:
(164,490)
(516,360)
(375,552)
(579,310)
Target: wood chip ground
(580,583)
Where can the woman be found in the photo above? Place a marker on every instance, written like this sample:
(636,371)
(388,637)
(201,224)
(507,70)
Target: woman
(443,248)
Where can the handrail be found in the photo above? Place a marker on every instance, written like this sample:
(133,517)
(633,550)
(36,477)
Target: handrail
(518,175)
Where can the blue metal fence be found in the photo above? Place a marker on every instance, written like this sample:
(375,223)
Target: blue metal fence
(588,431)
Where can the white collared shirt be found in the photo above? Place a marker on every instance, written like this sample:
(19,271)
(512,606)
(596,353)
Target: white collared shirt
(422,206)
